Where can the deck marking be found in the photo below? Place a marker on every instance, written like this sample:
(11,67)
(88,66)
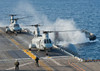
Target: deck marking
(15,59)
(63,50)
(16,43)
(20,66)
(40,61)
(30,54)
(75,66)
(78,67)
(56,62)
(45,66)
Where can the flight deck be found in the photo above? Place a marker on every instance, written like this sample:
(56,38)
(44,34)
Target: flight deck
(14,47)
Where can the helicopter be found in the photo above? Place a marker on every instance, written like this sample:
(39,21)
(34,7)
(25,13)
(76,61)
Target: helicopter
(41,42)
(14,26)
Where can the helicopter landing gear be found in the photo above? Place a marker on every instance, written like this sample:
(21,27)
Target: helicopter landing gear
(38,50)
(15,33)
(6,31)
(30,46)
(29,49)
(20,31)
(46,52)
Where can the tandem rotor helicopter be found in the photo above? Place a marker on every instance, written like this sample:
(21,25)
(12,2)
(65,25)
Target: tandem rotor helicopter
(43,42)
(14,27)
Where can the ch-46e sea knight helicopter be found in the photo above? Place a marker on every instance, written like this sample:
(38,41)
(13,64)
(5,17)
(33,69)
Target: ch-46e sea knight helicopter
(14,26)
(41,42)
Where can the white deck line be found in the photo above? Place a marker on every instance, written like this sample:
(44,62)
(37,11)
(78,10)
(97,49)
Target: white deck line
(19,66)
(15,59)
(68,53)
(63,50)
(56,62)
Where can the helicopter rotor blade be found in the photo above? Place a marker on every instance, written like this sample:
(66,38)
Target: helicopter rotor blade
(36,25)
(25,17)
(21,18)
(12,14)
(60,31)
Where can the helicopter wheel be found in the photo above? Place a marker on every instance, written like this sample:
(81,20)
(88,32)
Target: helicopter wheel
(15,33)
(6,31)
(20,31)
(50,50)
(29,49)
(46,52)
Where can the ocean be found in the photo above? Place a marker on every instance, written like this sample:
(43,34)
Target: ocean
(71,14)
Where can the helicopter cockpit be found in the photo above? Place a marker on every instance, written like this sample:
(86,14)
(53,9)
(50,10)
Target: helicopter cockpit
(16,25)
(47,41)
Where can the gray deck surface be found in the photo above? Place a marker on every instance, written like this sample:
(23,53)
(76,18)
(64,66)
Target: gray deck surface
(57,60)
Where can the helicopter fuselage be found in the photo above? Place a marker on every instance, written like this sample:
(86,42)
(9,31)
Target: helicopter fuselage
(41,43)
(13,28)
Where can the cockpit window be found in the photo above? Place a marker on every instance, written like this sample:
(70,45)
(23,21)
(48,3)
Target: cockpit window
(44,40)
(47,41)
(16,25)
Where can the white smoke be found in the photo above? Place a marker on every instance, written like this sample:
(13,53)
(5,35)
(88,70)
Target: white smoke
(59,25)
(68,36)
(3,24)
(26,9)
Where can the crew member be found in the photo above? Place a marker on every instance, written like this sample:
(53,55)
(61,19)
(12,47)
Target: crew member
(16,65)
(37,61)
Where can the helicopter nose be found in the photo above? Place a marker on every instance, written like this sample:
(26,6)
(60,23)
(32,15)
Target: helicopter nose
(48,46)
(16,29)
